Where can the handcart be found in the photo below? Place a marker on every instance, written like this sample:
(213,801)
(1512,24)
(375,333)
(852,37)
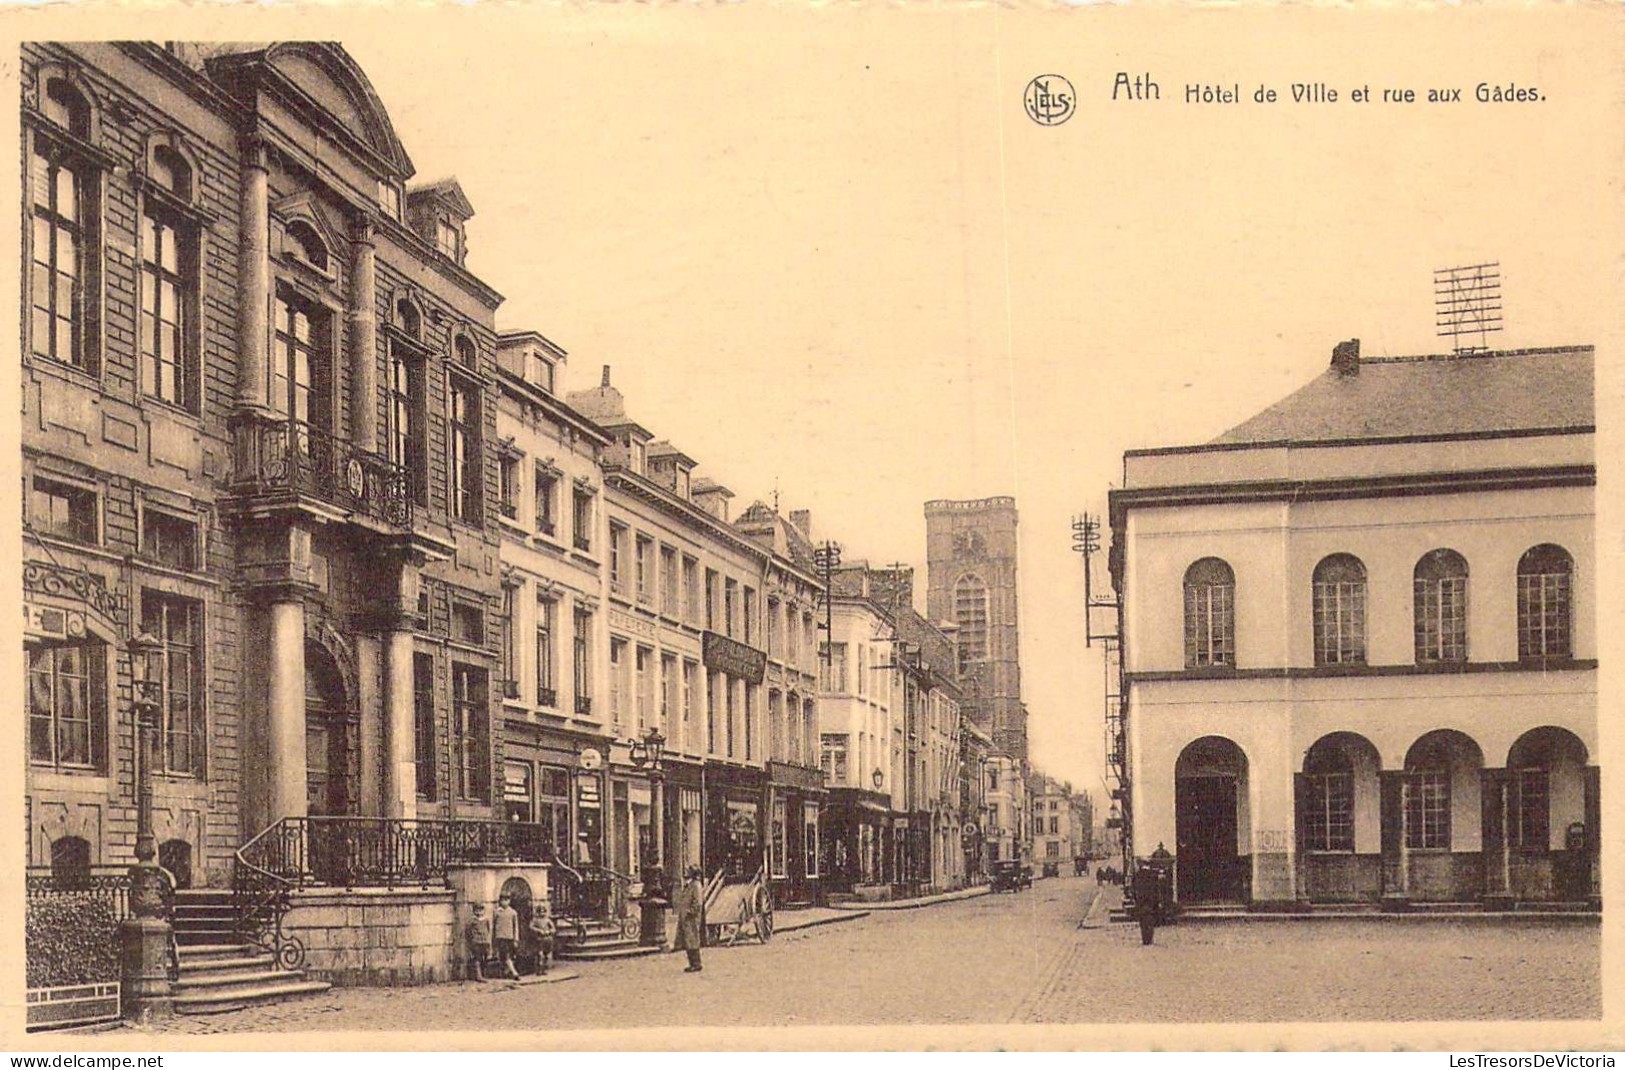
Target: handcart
(738,909)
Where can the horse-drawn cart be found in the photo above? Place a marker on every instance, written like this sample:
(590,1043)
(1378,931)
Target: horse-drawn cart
(738,909)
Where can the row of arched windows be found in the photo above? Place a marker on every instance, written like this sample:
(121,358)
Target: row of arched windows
(1545,596)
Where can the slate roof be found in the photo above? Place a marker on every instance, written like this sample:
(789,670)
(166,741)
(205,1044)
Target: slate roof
(1391,397)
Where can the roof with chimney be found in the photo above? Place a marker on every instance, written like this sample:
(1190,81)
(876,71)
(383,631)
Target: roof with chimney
(764,524)
(1518,390)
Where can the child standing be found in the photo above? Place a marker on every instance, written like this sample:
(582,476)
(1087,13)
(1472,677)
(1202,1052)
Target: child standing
(542,928)
(505,927)
(479,941)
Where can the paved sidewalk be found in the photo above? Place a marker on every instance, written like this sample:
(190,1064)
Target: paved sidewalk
(920,901)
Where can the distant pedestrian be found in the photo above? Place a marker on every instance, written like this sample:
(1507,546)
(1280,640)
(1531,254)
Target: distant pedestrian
(691,918)
(479,941)
(505,929)
(542,930)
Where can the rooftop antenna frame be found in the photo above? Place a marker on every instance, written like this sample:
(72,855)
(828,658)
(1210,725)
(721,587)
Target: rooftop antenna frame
(1467,304)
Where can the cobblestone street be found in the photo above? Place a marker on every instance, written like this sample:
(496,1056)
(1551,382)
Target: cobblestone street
(1003,958)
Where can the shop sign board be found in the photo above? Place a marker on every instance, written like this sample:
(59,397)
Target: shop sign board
(734,658)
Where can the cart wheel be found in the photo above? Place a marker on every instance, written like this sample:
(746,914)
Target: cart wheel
(764,915)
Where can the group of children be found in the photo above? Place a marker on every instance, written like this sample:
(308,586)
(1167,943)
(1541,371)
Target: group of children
(498,936)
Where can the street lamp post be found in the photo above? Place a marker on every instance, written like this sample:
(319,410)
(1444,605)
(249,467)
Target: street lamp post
(646,754)
(144,935)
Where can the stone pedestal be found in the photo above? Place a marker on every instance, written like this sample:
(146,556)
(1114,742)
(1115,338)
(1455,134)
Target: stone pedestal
(144,954)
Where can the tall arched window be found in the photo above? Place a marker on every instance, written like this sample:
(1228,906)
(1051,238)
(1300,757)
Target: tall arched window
(1210,614)
(171,171)
(1339,611)
(1546,603)
(67,107)
(1440,582)
(970,613)
(1328,810)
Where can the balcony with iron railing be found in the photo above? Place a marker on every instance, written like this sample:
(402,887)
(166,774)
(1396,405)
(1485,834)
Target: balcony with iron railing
(281,458)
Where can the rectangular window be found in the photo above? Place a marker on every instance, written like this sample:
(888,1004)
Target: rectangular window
(467,453)
(1441,619)
(731,713)
(301,369)
(581,520)
(1329,820)
(510,653)
(835,671)
(691,591)
(407,424)
(750,617)
(1210,624)
(711,712)
(169,540)
(1339,623)
(57,280)
(178,624)
(63,510)
(508,486)
(644,663)
(1544,615)
(617,685)
(668,693)
(645,570)
(809,640)
(1427,810)
(470,718)
(547,487)
(778,841)
(547,694)
(750,720)
(445,237)
(582,665)
(809,836)
(468,623)
(832,757)
(553,808)
(168,304)
(67,706)
(668,581)
(710,600)
(691,672)
(792,638)
(617,559)
(423,723)
(776,748)
(772,628)
(730,602)
(1528,810)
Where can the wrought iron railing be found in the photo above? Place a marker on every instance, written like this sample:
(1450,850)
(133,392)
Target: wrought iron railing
(583,705)
(294,456)
(379,852)
(547,696)
(108,887)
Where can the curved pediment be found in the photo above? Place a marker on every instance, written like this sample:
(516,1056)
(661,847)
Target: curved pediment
(326,75)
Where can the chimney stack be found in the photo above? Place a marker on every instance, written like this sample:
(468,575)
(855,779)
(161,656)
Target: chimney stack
(801,520)
(1346,357)
(606,376)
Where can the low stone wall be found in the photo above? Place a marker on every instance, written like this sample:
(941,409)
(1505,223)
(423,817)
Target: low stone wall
(375,936)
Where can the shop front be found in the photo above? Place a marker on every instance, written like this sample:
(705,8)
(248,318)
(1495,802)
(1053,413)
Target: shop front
(794,804)
(555,778)
(855,828)
(733,822)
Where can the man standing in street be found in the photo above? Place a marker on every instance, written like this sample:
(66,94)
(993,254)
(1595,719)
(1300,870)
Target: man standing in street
(690,918)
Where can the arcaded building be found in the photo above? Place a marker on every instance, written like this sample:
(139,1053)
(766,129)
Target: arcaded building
(1360,641)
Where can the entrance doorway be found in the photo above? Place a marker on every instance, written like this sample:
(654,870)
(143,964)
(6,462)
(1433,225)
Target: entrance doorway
(1210,783)
(328,790)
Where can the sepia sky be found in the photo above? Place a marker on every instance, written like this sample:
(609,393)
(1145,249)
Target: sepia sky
(826,250)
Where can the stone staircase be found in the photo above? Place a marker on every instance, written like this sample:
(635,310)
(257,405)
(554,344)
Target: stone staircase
(596,941)
(218,970)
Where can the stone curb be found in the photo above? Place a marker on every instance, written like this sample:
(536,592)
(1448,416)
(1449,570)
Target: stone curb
(1481,917)
(923,901)
(851,915)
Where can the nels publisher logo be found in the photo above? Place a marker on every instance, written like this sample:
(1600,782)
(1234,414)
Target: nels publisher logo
(1049,100)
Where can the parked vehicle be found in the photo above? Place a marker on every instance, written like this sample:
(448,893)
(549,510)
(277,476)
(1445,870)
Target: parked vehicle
(1011,876)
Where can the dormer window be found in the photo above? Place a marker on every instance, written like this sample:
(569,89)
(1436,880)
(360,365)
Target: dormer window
(542,373)
(307,245)
(448,239)
(389,200)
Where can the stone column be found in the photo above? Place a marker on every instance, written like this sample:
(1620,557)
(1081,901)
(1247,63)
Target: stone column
(254,270)
(363,338)
(285,708)
(400,794)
